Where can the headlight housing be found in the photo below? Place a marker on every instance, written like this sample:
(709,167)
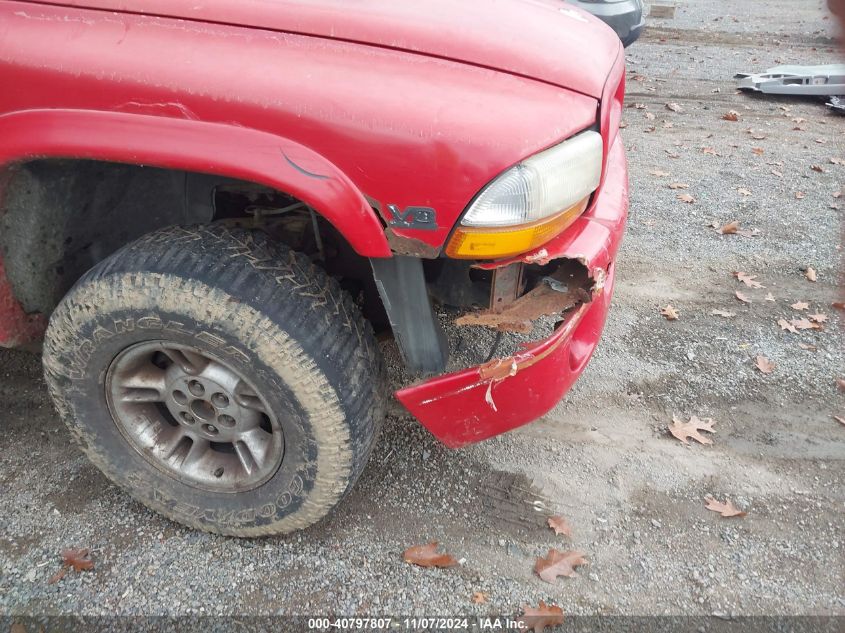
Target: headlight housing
(530,203)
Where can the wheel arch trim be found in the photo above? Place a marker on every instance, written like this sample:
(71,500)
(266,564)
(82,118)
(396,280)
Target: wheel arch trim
(198,146)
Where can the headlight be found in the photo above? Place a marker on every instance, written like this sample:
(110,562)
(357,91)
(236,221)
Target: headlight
(532,202)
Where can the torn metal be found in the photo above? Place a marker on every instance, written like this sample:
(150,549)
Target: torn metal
(567,287)
(807,81)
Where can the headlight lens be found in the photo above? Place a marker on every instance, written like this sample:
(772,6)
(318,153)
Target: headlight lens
(546,191)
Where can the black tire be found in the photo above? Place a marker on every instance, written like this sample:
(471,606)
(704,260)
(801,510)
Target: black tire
(267,313)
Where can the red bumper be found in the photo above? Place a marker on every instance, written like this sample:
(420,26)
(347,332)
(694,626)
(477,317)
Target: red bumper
(477,403)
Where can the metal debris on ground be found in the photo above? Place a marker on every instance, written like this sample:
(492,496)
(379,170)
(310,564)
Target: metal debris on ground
(807,81)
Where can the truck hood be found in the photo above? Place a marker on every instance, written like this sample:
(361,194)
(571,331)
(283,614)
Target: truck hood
(545,40)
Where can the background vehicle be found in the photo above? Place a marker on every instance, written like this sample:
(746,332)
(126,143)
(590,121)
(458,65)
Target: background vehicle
(626,17)
(217,209)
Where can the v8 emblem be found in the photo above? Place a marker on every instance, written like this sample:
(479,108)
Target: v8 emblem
(420,218)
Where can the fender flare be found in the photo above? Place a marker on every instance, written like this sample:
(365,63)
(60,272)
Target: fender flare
(198,146)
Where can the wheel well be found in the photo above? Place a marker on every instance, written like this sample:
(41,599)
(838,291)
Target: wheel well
(60,217)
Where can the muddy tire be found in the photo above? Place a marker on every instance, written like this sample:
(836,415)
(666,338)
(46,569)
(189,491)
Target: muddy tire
(221,379)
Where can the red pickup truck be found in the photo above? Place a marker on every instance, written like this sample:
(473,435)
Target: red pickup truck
(208,210)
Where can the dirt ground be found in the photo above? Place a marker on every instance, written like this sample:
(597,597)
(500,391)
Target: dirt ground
(603,458)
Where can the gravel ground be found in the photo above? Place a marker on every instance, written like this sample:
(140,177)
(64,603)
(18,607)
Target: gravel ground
(602,458)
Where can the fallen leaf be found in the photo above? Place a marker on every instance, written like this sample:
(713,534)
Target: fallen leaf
(811,348)
(726,509)
(670,313)
(538,619)
(730,228)
(77,559)
(775,172)
(674,107)
(786,325)
(709,150)
(804,324)
(839,305)
(759,151)
(765,365)
(799,305)
(685,197)
(799,195)
(839,419)
(659,173)
(818,318)
(557,563)
(818,168)
(724,313)
(743,192)
(638,106)
(837,161)
(748,280)
(732,115)
(769,297)
(427,556)
(678,185)
(560,526)
(742,297)
(821,141)
(685,430)
(810,274)
(17,627)
(479,597)
(840,382)
(650,116)
(58,575)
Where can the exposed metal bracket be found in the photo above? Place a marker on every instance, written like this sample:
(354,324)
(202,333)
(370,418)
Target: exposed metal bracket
(401,285)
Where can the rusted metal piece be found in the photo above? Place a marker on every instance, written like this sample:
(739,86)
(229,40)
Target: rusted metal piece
(409,246)
(569,286)
(16,326)
(507,284)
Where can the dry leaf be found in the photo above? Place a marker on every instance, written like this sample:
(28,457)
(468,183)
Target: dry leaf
(685,197)
(811,274)
(799,195)
(659,173)
(818,318)
(765,365)
(538,619)
(769,297)
(78,559)
(678,185)
(818,168)
(786,325)
(733,115)
(799,305)
(479,597)
(759,151)
(743,192)
(742,297)
(709,150)
(840,382)
(839,305)
(730,228)
(649,116)
(58,575)
(839,419)
(724,313)
(685,430)
(674,107)
(837,161)
(670,313)
(804,324)
(811,348)
(427,556)
(560,526)
(557,563)
(748,280)
(17,627)
(726,509)
(775,172)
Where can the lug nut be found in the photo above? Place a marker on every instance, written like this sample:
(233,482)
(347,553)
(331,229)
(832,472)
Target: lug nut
(210,429)
(220,401)
(187,418)
(196,388)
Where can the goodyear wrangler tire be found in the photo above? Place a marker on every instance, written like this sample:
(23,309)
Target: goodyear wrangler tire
(222,380)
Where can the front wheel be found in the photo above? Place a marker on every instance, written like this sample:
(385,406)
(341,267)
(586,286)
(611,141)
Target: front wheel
(221,379)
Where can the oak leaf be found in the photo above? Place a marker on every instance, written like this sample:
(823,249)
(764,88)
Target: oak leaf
(765,365)
(685,197)
(769,297)
(77,559)
(538,619)
(748,280)
(804,324)
(732,115)
(810,273)
(560,526)
(786,325)
(650,116)
(427,556)
(726,509)
(678,185)
(730,228)
(479,597)
(670,313)
(685,430)
(559,563)
(742,297)
(674,107)
(800,305)
(818,318)
(723,313)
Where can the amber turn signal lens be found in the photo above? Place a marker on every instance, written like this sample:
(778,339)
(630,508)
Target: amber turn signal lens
(492,243)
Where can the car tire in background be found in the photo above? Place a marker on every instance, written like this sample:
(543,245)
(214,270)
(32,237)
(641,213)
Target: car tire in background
(221,379)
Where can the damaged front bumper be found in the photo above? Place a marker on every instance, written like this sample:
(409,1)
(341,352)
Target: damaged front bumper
(483,401)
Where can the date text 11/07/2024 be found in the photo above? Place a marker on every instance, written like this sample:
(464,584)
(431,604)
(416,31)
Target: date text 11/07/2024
(487,623)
